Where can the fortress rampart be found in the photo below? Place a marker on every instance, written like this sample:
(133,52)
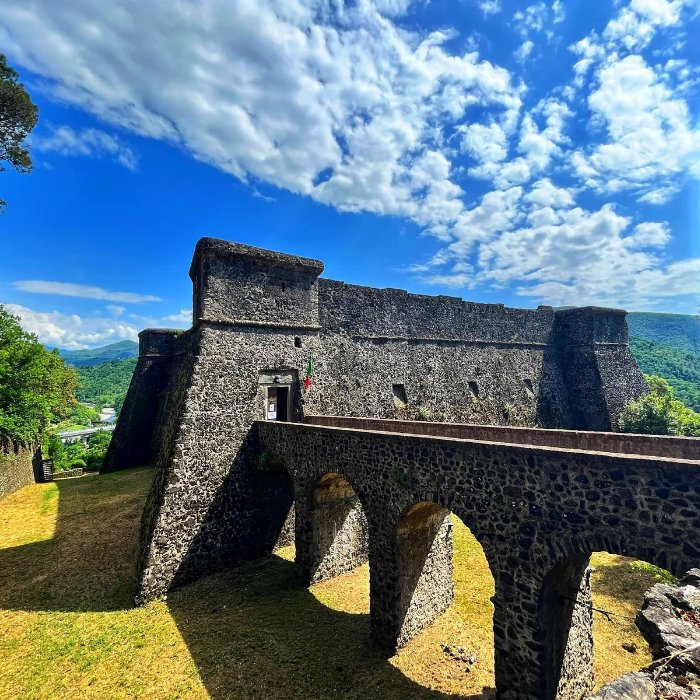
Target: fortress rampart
(206,408)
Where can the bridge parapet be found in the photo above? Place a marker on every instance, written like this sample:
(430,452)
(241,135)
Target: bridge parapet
(685,448)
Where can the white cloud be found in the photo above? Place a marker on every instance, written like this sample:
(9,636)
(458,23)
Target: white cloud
(332,101)
(92,143)
(558,11)
(341,103)
(532,18)
(486,144)
(651,140)
(70,289)
(524,50)
(72,331)
(635,26)
(184,316)
(75,331)
(490,7)
(537,240)
(650,235)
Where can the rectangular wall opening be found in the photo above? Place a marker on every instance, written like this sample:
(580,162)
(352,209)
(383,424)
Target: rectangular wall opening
(277,403)
(399,391)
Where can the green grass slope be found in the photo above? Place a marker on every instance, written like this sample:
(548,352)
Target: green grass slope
(69,630)
(94,356)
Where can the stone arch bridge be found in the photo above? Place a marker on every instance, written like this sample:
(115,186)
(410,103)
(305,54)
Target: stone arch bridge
(539,502)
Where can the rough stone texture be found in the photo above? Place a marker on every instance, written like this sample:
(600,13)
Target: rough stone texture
(425,565)
(19,466)
(567,620)
(132,442)
(631,686)
(221,496)
(338,536)
(539,512)
(619,443)
(670,621)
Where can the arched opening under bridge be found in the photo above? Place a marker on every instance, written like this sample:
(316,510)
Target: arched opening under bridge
(588,606)
(445,611)
(339,533)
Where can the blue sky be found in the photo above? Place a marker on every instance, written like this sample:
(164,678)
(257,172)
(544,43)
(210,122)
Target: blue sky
(521,153)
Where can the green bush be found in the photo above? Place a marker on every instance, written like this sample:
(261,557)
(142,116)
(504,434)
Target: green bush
(659,412)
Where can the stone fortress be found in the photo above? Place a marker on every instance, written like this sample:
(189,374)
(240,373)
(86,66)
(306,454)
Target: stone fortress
(419,406)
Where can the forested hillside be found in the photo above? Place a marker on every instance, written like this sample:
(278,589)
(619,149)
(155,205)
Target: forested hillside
(105,383)
(678,331)
(94,356)
(680,369)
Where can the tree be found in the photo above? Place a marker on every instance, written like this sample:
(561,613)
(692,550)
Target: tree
(659,412)
(18,116)
(36,386)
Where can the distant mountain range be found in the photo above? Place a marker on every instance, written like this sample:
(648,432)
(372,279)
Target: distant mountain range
(122,350)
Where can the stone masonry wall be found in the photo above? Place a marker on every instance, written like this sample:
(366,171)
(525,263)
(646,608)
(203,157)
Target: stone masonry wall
(18,465)
(194,398)
(259,316)
(132,442)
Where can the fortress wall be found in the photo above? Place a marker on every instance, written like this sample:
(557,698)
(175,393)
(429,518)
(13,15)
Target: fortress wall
(132,440)
(203,512)
(395,313)
(260,315)
(598,367)
(234,283)
(18,465)
(442,381)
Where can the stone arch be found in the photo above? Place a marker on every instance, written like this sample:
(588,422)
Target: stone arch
(337,532)
(565,614)
(424,550)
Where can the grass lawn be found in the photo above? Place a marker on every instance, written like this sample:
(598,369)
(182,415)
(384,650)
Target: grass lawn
(68,628)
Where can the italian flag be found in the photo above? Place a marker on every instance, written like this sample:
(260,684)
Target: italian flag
(309,373)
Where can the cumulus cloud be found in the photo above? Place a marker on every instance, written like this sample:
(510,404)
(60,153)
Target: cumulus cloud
(92,143)
(71,331)
(75,331)
(490,7)
(524,50)
(335,102)
(651,139)
(348,105)
(70,289)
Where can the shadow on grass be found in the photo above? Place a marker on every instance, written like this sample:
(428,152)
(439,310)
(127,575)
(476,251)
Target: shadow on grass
(88,564)
(255,632)
(252,632)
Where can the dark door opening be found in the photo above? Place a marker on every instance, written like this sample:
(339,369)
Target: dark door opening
(277,405)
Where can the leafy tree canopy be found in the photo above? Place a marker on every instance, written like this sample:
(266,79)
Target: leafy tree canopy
(659,412)
(36,386)
(106,383)
(18,116)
